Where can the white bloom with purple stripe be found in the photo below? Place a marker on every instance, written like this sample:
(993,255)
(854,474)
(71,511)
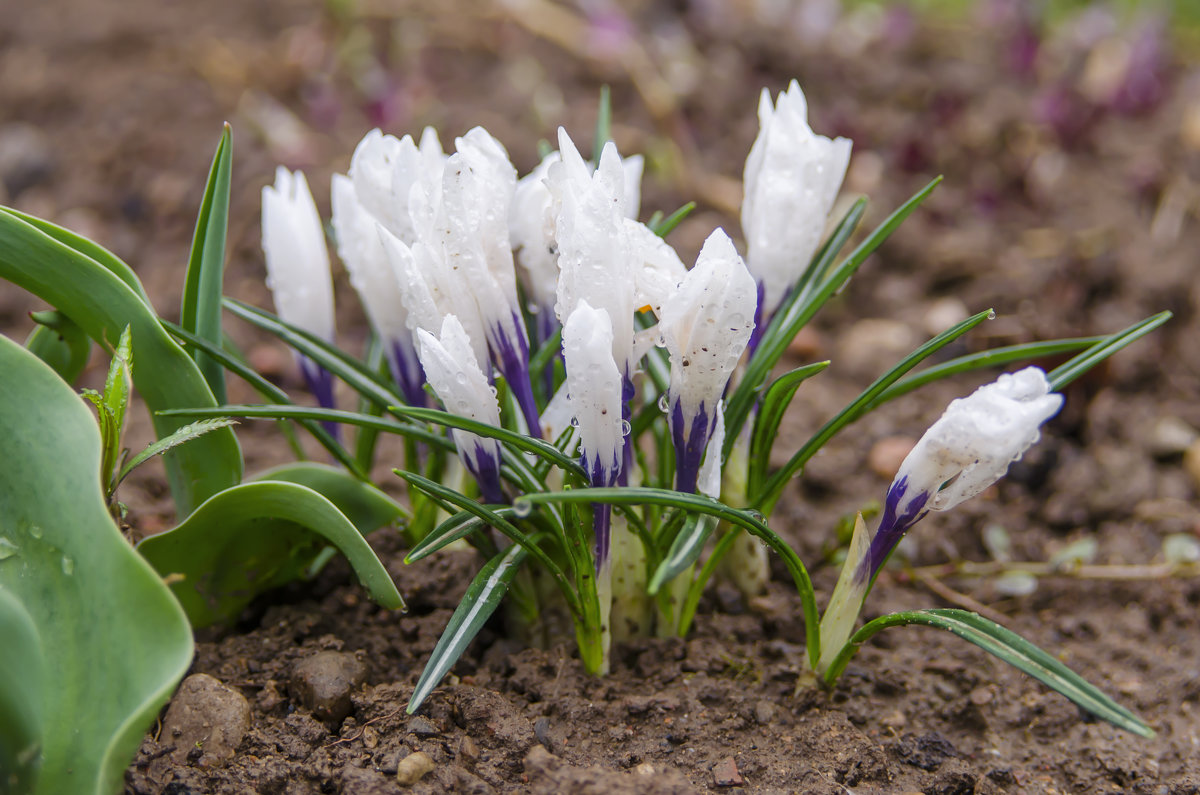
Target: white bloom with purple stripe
(706,325)
(454,373)
(792,177)
(293,242)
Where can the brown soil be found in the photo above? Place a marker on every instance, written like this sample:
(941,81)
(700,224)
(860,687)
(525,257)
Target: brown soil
(1064,215)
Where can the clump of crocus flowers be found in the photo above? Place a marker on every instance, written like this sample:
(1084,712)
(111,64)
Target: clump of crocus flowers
(616,408)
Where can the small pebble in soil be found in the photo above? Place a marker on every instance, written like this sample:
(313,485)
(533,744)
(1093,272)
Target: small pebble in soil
(764,712)
(323,682)
(413,768)
(206,715)
(1170,437)
(423,727)
(726,774)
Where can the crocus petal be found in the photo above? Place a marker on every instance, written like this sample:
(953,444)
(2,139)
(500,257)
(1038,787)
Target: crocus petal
(969,448)
(658,271)
(792,177)
(594,388)
(531,229)
(709,482)
(454,373)
(706,325)
(384,169)
(293,242)
(374,279)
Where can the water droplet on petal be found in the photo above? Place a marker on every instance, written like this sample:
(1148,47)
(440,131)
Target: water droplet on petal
(625,427)
(663,405)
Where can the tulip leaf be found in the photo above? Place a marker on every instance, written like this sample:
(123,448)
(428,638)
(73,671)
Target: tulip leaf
(254,537)
(200,312)
(94,643)
(483,596)
(764,498)
(363,504)
(95,294)
(1009,647)
(60,343)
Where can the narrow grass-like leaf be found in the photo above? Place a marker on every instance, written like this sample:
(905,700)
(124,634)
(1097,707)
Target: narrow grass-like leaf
(102,303)
(775,402)
(111,643)
(1009,647)
(58,342)
(1061,376)
(366,440)
(501,524)
(254,537)
(277,412)
(483,596)
(793,315)
(269,391)
(996,357)
(460,525)
(750,520)
(200,312)
(545,354)
(665,226)
(684,551)
(357,375)
(185,434)
(696,588)
(603,124)
(766,496)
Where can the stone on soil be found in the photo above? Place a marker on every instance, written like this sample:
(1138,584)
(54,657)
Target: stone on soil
(208,715)
(324,681)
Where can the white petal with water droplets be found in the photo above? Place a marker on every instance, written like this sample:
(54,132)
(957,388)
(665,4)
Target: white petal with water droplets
(293,241)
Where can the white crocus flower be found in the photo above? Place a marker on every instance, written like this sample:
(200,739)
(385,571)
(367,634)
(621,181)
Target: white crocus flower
(594,255)
(384,170)
(293,241)
(454,373)
(969,448)
(531,229)
(709,482)
(706,325)
(594,387)
(792,177)
(374,279)
(658,271)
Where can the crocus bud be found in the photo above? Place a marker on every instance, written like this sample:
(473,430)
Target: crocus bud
(454,373)
(384,170)
(705,325)
(792,177)
(293,243)
(374,279)
(968,449)
(595,390)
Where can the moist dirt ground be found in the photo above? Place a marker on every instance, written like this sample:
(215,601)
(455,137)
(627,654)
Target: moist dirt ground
(1071,156)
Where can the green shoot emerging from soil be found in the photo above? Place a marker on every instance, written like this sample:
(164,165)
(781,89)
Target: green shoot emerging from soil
(607,410)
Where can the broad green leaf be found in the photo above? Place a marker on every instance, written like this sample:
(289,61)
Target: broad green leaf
(113,642)
(21,685)
(102,304)
(483,596)
(766,496)
(1061,376)
(365,506)
(254,537)
(1009,647)
(102,256)
(775,404)
(60,343)
(200,311)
